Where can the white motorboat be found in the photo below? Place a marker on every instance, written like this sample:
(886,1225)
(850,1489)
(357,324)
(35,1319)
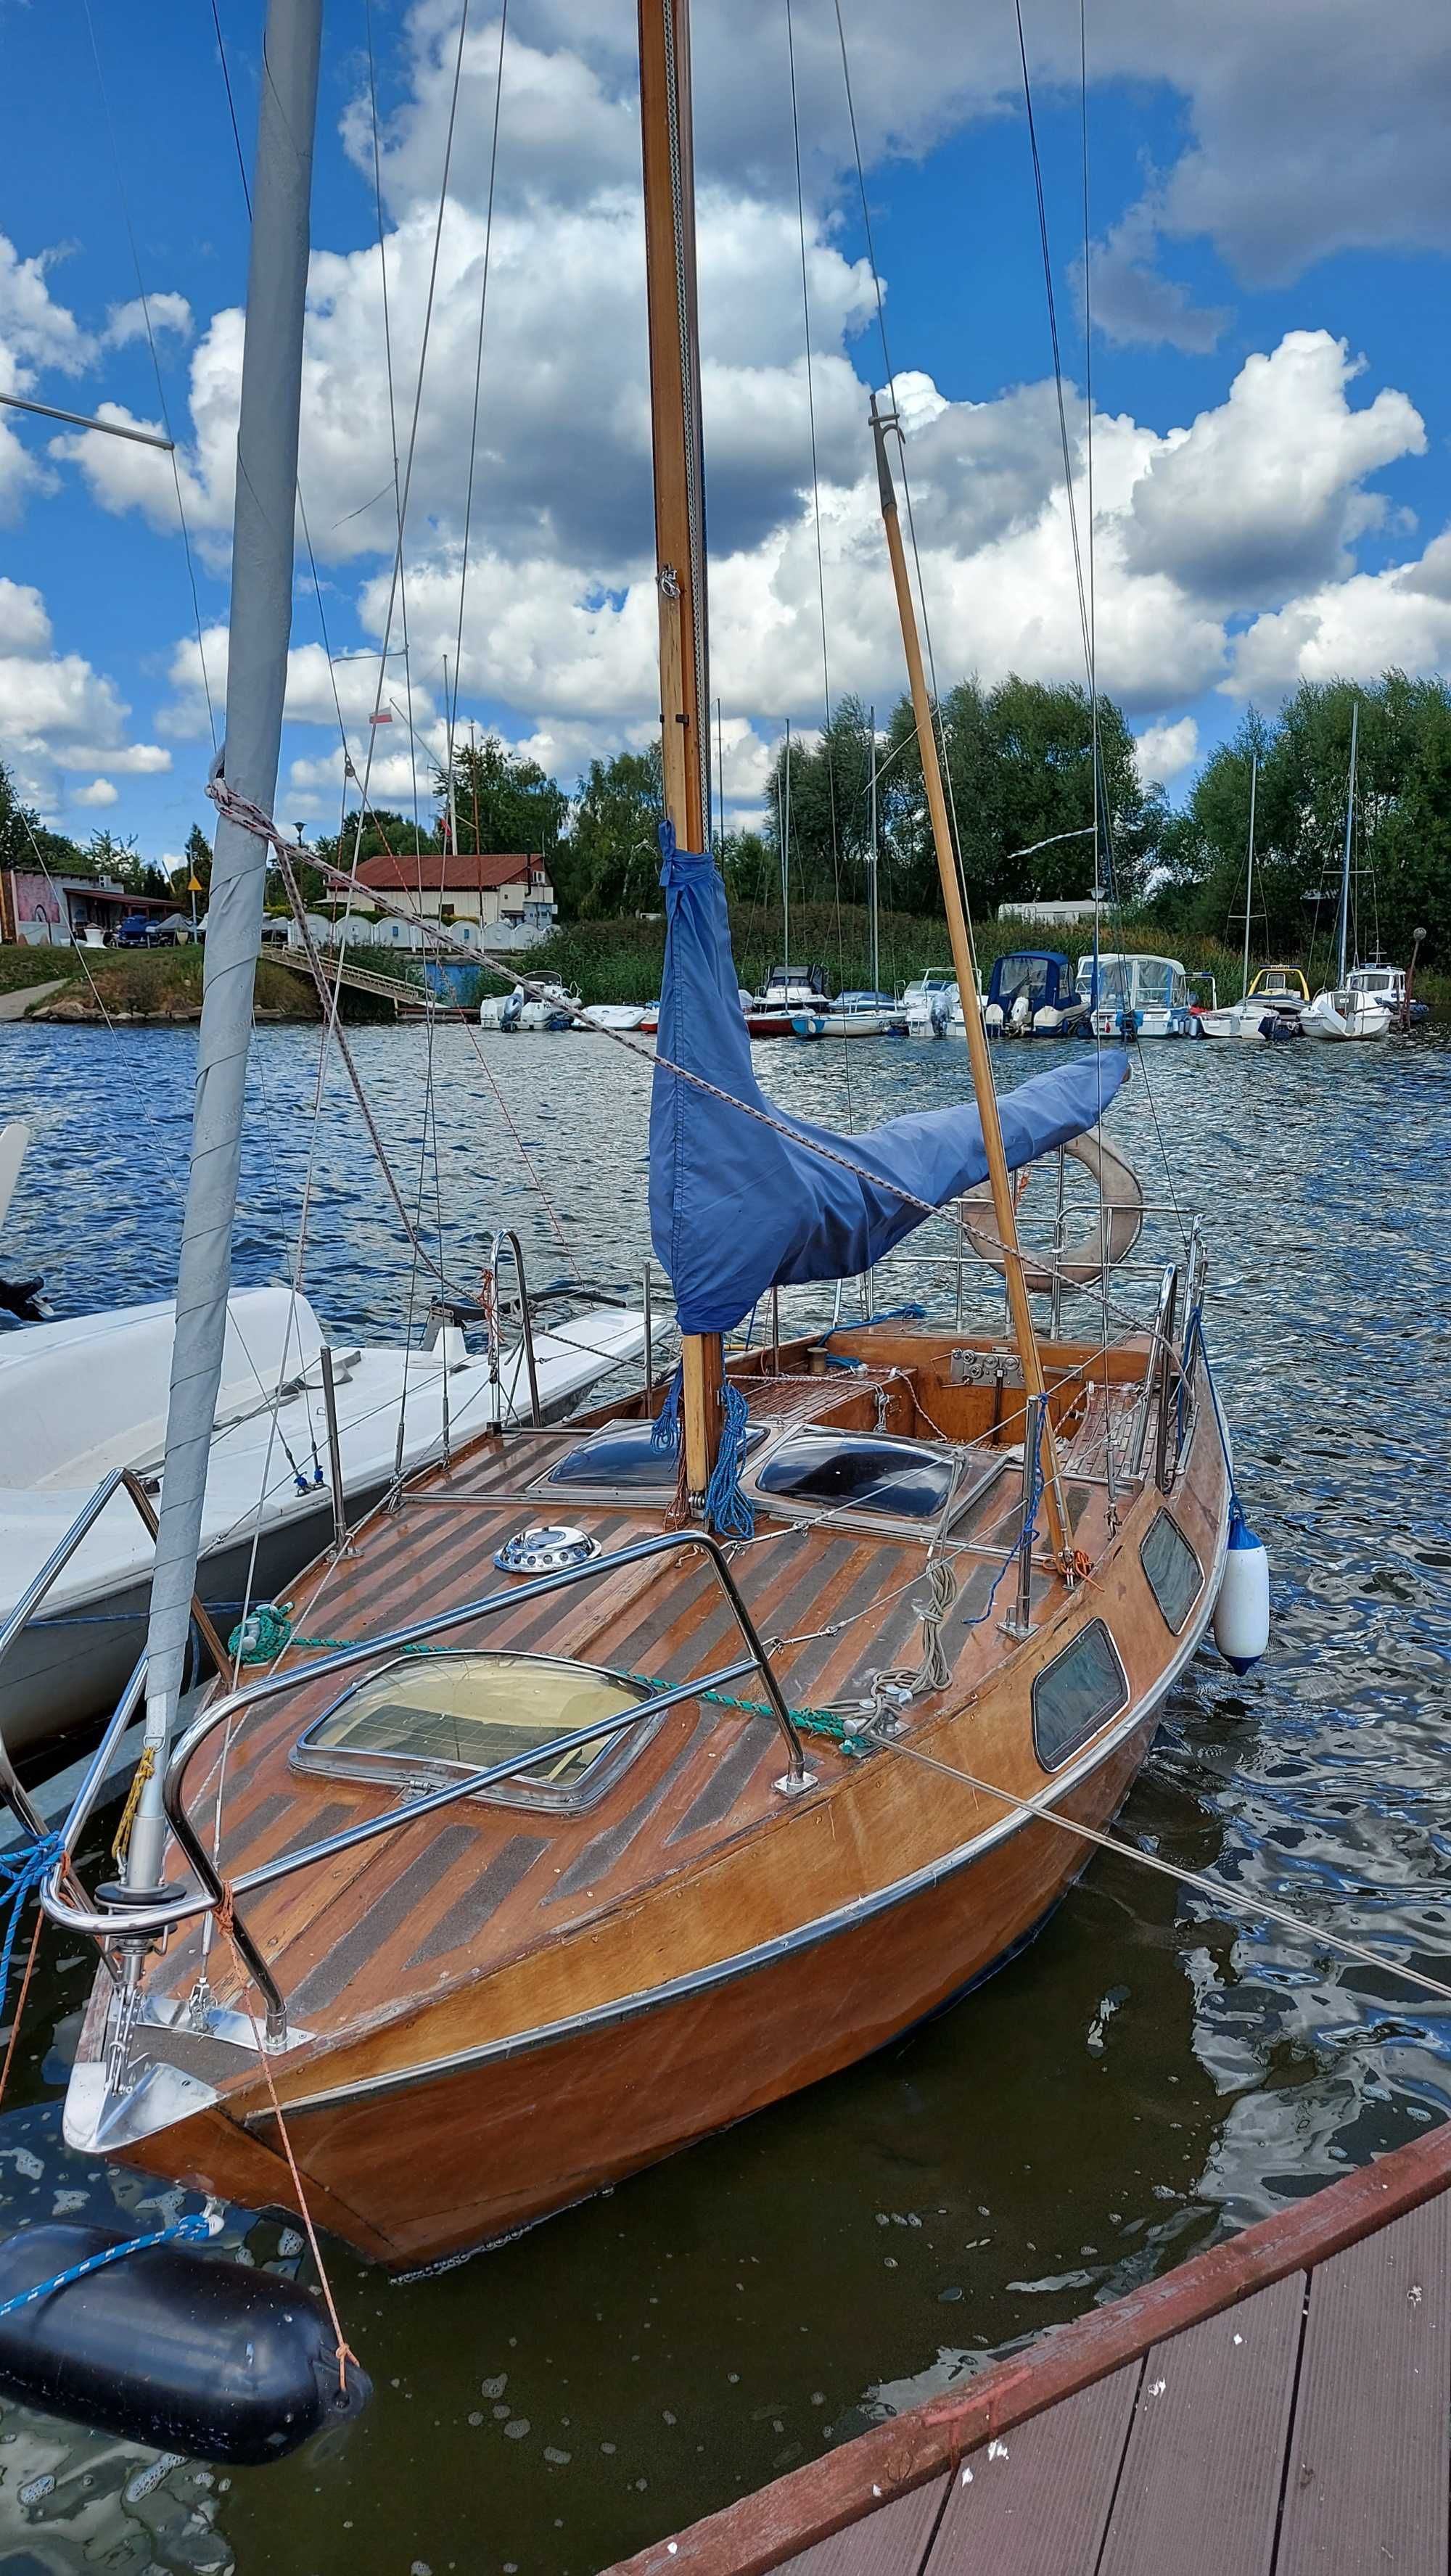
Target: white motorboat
(84,1397)
(551,1007)
(927,1002)
(1273,1009)
(615,1015)
(857,1014)
(1137,994)
(1388,984)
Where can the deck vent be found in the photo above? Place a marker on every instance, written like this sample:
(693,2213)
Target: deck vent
(544,1547)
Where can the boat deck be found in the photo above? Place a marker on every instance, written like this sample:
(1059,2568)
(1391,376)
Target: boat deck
(1279,2406)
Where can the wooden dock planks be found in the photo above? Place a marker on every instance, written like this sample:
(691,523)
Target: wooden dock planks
(1369,2467)
(1290,2417)
(1037,2501)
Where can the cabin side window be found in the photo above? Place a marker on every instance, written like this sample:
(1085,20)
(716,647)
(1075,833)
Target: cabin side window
(1074,1695)
(1173,1569)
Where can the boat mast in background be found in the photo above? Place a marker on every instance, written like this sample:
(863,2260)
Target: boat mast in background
(669,162)
(259,631)
(1349,827)
(965,968)
(1249,883)
(872,860)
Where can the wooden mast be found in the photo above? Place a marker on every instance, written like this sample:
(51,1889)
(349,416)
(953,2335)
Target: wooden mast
(965,968)
(665,126)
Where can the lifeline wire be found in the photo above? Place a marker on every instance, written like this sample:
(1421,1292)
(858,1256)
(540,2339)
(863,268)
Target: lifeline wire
(1255,1909)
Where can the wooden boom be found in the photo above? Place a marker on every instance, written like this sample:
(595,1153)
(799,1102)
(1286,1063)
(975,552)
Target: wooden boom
(965,967)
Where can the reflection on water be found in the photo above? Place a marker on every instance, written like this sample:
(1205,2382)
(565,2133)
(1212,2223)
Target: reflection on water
(1149,2073)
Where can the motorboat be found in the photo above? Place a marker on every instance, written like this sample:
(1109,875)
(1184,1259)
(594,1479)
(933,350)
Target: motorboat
(1272,1010)
(1136,994)
(614,1015)
(85,1398)
(956,1024)
(788,990)
(1387,984)
(927,1002)
(855,1014)
(551,1007)
(1032,993)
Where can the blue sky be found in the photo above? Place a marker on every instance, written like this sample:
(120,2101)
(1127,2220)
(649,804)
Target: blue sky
(1269,506)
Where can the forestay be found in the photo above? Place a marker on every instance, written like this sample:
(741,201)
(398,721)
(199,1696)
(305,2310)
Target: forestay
(738,1206)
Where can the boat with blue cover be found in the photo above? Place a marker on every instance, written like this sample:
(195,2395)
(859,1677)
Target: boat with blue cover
(629,1776)
(1032,993)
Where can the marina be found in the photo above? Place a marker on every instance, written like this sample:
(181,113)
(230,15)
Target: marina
(721,1746)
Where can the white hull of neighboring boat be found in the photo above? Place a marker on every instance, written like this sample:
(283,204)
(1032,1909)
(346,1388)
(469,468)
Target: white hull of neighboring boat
(842,1024)
(1342,1016)
(1243,1019)
(82,1397)
(615,1015)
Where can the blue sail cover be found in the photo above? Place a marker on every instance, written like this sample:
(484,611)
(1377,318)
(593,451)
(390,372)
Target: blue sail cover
(737,1207)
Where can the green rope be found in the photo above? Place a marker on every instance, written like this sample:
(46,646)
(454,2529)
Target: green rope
(267,1632)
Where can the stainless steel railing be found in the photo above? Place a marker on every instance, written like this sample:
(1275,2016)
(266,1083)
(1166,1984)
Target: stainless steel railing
(141,1922)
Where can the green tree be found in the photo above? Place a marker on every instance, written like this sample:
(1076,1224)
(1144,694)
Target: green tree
(503,800)
(26,842)
(1019,767)
(610,861)
(196,862)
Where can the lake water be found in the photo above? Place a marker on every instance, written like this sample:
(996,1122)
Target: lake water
(1151,2073)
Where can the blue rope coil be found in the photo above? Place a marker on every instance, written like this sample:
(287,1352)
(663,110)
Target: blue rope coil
(185,2230)
(666,1434)
(22,1873)
(727,1509)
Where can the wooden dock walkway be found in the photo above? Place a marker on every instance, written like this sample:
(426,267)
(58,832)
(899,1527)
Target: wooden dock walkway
(1279,2406)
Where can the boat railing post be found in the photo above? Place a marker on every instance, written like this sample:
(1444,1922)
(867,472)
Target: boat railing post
(775,1332)
(1163,1328)
(1019,1621)
(648,1309)
(1057,1308)
(961,1236)
(335,1454)
(1167,1379)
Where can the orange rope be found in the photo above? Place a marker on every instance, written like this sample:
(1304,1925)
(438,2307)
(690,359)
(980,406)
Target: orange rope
(345,2354)
(20,2002)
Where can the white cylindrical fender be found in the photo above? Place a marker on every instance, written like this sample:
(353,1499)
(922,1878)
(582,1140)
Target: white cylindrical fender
(1242,1611)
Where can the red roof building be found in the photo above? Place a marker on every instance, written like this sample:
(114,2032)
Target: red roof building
(463,885)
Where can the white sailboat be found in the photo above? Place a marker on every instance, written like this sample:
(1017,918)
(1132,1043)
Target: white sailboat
(1249,1016)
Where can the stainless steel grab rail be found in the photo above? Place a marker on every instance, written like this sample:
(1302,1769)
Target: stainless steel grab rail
(143,1921)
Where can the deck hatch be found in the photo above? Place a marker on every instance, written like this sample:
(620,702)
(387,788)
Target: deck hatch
(435,1718)
(1076,1694)
(867,1472)
(619,1458)
(1175,1574)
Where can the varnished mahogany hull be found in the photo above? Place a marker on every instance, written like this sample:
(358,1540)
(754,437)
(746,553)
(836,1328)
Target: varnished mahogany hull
(441,2161)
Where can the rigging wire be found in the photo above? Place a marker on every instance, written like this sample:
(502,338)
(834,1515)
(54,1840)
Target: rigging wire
(479,360)
(827,743)
(156,370)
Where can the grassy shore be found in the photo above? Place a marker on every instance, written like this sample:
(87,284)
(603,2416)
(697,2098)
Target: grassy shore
(157,984)
(621,961)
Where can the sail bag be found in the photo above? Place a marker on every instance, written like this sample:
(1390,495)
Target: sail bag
(742,1202)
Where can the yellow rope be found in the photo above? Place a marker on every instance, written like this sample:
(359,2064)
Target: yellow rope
(144,1769)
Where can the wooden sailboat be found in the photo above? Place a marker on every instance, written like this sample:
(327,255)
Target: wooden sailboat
(570,1827)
